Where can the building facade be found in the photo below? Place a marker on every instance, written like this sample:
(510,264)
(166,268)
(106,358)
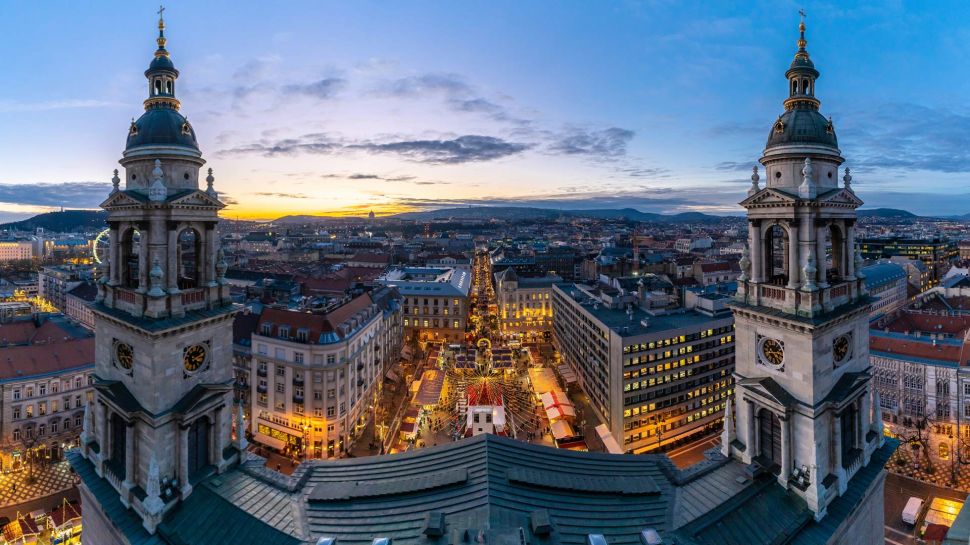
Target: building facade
(161,417)
(888,285)
(54,283)
(77,303)
(655,378)
(16,250)
(316,378)
(434,301)
(524,303)
(804,399)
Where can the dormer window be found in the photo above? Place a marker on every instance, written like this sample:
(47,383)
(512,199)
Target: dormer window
(284,332)
(267,328)
(302,334)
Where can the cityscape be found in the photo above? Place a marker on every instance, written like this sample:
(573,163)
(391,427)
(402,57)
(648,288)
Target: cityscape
(378,300)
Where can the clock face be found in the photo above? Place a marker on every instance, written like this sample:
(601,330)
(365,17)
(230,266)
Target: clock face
(841,348)
(772,352)
(124,355)
(194,357)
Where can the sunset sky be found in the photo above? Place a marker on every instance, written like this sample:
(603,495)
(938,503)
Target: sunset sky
(347,107)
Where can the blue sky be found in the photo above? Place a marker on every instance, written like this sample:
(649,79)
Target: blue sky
(326,107)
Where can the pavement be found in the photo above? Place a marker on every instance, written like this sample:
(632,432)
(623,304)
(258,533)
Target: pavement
(899,489)
(48,480)
(687,455)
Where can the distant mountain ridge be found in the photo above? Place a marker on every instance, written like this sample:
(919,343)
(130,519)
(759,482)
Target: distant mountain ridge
(885,213)
(526,212)
(65,221)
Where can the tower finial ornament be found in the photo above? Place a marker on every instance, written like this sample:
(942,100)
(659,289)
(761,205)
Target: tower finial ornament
(754,181)
(161,31)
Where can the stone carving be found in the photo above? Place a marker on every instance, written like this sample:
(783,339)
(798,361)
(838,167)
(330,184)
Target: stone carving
(807,189)
(153,501)
(221,266)
(209,190)
(754,181)
(809,271)
(157,191)
(155,280)
(115,183)
(745,263)
(847,178)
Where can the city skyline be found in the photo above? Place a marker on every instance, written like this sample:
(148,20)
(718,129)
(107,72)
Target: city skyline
(644,105)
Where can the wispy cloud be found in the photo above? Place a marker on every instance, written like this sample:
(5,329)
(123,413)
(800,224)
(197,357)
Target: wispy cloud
(282,195)
(462,149)
(13,106)
(322,89)
(71,194)
(605,143)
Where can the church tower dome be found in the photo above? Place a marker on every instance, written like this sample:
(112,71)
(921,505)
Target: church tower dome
(162,131)
(801,130)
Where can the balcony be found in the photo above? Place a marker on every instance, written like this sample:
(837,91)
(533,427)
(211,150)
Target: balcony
(261,372)
(297,381)
(261,389)
(297,399)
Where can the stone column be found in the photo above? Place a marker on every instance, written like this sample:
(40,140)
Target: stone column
(749,446)
(850,249)
(130,430)
(172,276)
(143,258)
(793,257)
(820,255)
(114,259)
(865,414)
(785,450)
(183,464)
(102,434)
(210,254)
(754,235)
(219,438)
(837,454)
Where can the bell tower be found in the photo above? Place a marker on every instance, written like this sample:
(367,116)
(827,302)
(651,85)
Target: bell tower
(161,415)
(803,401)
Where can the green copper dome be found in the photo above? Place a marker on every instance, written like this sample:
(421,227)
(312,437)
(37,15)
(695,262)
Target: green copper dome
(162,126)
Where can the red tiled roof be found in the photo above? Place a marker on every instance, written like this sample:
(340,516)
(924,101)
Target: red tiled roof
(315,324)
(24,361)
(919,349)
(17,332)
(930,323)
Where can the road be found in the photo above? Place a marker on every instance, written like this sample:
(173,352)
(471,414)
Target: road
(46,503)
(691,453)
(898,490)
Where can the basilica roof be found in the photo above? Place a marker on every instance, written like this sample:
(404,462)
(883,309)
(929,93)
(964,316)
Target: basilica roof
(802,126)
(162,126)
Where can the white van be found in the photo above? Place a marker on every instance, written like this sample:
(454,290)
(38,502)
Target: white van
(912,509)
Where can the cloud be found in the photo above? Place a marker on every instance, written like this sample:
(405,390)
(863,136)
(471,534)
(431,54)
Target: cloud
(282,195)
(358,176)
(907,137)
(13,106)
(610,142)
(463,149)
(736,166)
(72,194)
(425,83)
(323,89)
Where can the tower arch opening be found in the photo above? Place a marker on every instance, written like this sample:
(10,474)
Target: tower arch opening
(776,248)
(129,249)
(189,258)
(769,436)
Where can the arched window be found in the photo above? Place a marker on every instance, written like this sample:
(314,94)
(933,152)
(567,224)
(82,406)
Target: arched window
(129,250)
(776,255)
(805,87)
(834,253)
(189,259)
(794,86)
(168,87)
(158,86)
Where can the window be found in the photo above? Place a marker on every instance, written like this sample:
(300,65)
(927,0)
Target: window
(318,412)
(16,412)
(343,408)
(330,411)
(77,402)
(331,393)
(284,332)
(16,392)
(279,353)
(280,371)
(30,411)
(42,429)
(261,349)
(54,387)
(331,359)
(42,389)
(16,434)
(30,391)
(943,388)
(280,387)
(298,357)
(301,335)
(267,328)
(54,427)
(77,382)
(317,395)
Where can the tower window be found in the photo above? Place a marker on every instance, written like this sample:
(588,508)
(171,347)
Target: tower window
(158,87)
(168,86)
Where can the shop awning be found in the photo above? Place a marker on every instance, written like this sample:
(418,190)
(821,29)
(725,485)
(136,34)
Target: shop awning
(269,441)
(611,445)
(561,429)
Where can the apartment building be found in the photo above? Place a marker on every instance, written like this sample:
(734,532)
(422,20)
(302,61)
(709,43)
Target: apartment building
(45,381)
(435,301)
(316,377)
(55,282)
(655,377)
(888,283)
(524,303)
(16,250)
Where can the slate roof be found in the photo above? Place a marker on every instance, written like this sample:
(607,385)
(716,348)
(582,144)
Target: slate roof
(490,485)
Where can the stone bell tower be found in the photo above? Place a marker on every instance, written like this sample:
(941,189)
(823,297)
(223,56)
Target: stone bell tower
(161,415)
(803,401)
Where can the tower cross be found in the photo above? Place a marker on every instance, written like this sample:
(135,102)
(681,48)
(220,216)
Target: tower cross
(161,11)
(802,13)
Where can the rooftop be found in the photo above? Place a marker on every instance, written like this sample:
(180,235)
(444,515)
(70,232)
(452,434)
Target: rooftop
(637,321)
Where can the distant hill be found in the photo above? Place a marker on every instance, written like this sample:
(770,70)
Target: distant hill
(523,213)
(62,222)
(885,213)
(304,219)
